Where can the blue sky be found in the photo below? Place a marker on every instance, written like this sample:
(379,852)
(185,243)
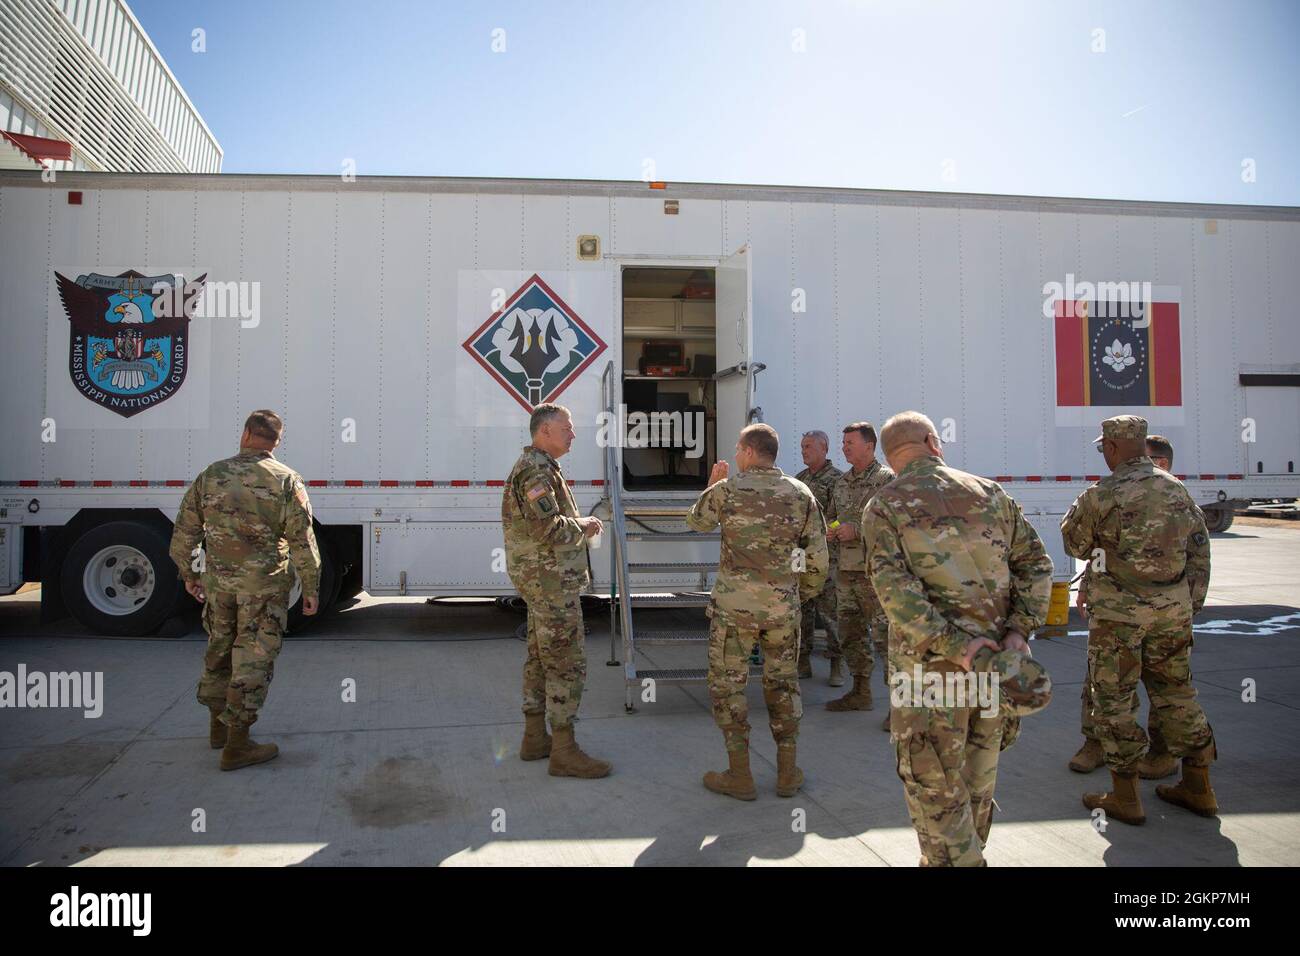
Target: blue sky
(994,97)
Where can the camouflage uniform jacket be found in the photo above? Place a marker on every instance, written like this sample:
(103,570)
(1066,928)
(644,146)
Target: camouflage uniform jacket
(952,558)
(1152,538)
(849,495)
(765,517)
(820,485)
(545,544)
(252,516)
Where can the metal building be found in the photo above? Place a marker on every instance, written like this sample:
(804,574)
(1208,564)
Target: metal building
(84,73)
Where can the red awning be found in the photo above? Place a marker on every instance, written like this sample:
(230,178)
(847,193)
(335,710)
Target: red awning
(38,147)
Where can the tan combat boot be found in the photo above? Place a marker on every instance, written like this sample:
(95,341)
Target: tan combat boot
(1193,792)
(736,781)
(1158,762)
(1123,802)
(837,672)
(537,742)
(859,698)
(568,760)
(1089,757)
(216,729)
(243,751)
(789,778)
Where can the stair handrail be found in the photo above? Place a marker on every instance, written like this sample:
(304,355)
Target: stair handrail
(618,570)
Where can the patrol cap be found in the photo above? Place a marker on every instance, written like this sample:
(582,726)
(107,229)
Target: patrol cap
(1024,685)
(1123,426)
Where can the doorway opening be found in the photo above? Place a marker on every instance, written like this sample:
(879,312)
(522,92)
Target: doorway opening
(669,391)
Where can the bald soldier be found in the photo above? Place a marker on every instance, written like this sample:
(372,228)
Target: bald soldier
(1148,573)
(240,524)
(862,625)
(819,475)
(1158,762)
(773,557)
(957,568)
(546,558)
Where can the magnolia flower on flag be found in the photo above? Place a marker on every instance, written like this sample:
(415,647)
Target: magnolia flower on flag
(1119,356)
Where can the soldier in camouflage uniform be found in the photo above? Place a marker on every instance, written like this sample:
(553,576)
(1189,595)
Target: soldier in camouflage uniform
(546,558)
(1158,762)
(858,608)
(957,568)
(820,476)
(773,556)
(1149,571)
(240,524)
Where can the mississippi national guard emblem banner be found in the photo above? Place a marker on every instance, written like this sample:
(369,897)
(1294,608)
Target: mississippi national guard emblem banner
(1118,357)
(535,346)
(128,338)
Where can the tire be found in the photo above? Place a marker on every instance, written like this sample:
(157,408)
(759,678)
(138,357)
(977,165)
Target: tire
(1218,519)
(329,587)
(350,582)
(118,578)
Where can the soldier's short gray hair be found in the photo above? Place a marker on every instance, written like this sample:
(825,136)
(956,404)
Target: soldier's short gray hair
(820,435)
(906,427)
(544,413)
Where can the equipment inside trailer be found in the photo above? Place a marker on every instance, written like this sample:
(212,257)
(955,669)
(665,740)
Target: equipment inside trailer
(669,359)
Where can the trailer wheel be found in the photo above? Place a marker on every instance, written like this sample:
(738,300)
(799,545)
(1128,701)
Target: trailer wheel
(119,579)
(329,587)
(350,583)
(1218,519)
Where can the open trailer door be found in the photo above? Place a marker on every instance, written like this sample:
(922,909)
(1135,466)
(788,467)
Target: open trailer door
(734,308)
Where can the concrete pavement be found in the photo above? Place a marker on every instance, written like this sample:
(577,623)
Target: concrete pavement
(421,769)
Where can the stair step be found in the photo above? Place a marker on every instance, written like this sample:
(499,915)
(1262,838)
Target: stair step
(671,637)
(691,537)
(674,675)
(657,507)
(685,675)
(669,567)
(669,600)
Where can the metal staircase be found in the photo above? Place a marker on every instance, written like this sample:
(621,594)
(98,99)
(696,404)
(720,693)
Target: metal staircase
(662,522)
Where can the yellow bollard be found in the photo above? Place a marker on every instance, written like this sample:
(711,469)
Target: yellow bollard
(1058,612)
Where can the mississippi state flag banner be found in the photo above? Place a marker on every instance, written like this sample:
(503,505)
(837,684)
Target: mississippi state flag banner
(1119,357)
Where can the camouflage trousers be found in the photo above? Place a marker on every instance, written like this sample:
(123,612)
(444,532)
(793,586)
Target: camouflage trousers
(245,632)
(729,648)
(556,668)
(948,762)
(1157,654)
(823,607)
(862,624)
(1089,724)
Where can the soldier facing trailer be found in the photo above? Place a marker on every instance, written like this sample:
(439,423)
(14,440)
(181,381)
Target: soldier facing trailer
(773,557)
(546,557)
(1158,762)
(957,568)
(819,476)
(1149,572)
(863,628)
(240,524)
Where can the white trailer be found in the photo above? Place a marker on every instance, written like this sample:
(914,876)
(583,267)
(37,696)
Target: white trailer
(404,326)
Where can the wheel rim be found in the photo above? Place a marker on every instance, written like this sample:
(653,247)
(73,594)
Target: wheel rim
(118,580)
